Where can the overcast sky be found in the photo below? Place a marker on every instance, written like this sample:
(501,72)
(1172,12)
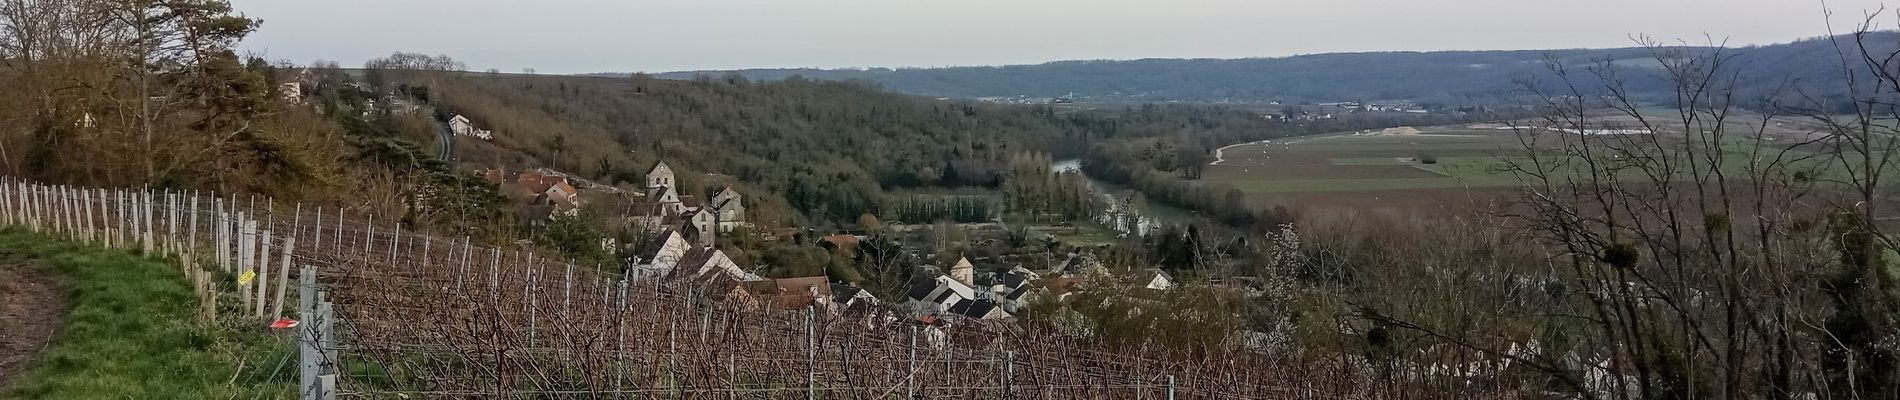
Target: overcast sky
(575,36)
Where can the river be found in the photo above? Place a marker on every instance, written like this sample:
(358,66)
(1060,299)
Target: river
(1120,214)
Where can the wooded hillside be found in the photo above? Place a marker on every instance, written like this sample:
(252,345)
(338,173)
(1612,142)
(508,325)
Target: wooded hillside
(1448,77)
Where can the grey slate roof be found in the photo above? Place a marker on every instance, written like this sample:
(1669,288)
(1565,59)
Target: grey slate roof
(973,308)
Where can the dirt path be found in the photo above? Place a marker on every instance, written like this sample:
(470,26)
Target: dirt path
(31,304)
(1220,154)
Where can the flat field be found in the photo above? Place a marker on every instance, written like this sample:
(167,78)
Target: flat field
(1370,169)
(1385,169)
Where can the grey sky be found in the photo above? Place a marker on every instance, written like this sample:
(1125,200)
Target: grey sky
(573,36)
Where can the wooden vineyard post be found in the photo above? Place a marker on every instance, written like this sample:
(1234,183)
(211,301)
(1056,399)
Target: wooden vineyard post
(529,290)
(910,382)
(395,237)
(221,237)
(296,221)
(105,220)
(171,224)
(811,352)
(567,291)
(151,233)
(191,239)
(1002,373)
(317,243)
(369,228)
(283,276)
(494,280)
(60,219)
(262,281)
(308,354)
(339,231)
(462,275)
(50,203)
(123,217)
(92,236)
(620,340)
(69,206)
(246,249)
(54,225)
(6,200)
(31,206)
(128,210)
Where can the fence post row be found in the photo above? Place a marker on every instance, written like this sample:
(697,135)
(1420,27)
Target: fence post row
(164,223)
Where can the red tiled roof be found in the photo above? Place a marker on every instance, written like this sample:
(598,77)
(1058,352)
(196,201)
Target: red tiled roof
(1057,285)
(842,241)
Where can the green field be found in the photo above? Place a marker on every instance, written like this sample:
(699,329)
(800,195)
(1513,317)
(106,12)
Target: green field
(1347,162)
(1358,168)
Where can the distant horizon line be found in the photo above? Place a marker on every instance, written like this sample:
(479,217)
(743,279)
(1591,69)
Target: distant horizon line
(1082,60)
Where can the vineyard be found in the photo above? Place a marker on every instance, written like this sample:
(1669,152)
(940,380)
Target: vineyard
(386,313)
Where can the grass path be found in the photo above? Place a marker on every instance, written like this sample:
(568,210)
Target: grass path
(130,334)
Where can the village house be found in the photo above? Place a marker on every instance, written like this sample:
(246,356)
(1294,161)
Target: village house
(840,242)
(1151,278)
(788,293)
(292,92)
(461,126)
(979,309)
(729,209)
(658,257)
(937,296)
(705,264)
(954,294)
(298,87)
(1008,290)
(847,297)
(1061,287)
(547,189)
(963,271)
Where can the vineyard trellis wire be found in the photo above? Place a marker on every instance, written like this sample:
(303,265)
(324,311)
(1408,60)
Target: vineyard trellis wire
(386,312)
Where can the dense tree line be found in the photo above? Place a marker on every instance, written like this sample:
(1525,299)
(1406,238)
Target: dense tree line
(926,209)
(1032,189)
(128,93)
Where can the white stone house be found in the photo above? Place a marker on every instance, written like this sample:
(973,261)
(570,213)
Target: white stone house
(937,296)
(461,126)
(659,256)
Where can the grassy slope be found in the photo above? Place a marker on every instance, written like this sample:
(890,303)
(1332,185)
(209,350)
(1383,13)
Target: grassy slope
(131,334)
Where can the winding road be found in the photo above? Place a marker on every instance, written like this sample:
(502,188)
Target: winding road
(445,142)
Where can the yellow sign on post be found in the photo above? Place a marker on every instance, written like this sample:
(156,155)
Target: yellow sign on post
(247,277)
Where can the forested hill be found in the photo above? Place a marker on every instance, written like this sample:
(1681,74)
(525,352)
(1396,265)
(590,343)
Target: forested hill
(805,148)
(1454,77)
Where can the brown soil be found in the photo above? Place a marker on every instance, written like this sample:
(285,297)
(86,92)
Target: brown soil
(32,303)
